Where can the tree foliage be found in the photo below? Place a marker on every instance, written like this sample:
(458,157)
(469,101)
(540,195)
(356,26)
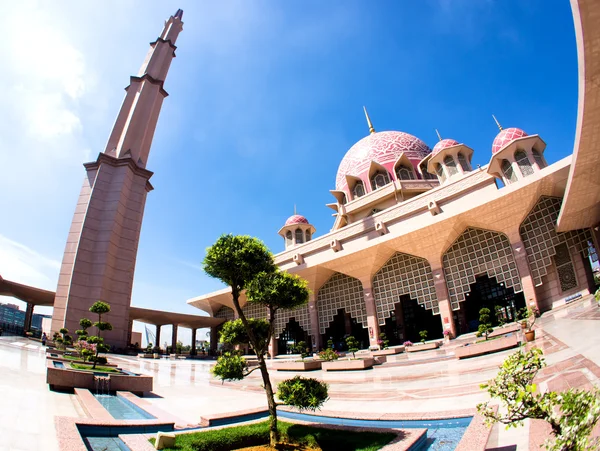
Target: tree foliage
(278,290)
(423,335)
(234,333)
(352,344)
(485,325)
(571,414)
(230,367)
(302,349)
(100,308)
(303,393)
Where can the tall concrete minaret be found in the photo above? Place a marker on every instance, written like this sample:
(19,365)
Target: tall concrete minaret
(101,250)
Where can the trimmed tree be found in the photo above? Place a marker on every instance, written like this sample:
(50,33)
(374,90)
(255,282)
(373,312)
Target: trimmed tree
(82,333)
(572,414)
(243,262)
(100,308)
(352,344)
(485,325)
(423,335)
(302,349)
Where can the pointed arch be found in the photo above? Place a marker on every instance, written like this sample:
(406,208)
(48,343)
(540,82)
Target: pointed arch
(301,315)
(341,291)
(404,274)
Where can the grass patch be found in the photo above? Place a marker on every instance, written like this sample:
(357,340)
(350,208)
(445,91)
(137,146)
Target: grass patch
(483,340)
(104,369)
(258,434)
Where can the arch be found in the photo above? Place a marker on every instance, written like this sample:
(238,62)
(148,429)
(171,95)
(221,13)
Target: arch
(464,164)
(358,190)
(299,235)
(426,175)
(539,158)
(476,252)
(523,163)
(301,315)
(341,291)
(440,172)
(450,165)
(508,172)
(379,180)
(538,232)
(289,240)
(403,274)
(307,236)
(403,172)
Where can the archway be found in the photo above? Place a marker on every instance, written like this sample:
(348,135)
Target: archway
(342,326)
(291,336)
(408,319)
(486,292)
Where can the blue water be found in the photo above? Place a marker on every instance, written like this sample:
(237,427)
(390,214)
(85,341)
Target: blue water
(442,435)
(122,409)
(58,364)
(105,444)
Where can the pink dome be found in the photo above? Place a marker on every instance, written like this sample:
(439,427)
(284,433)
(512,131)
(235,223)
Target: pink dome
(296,219)
(505,137)
(443,144)
(384,148)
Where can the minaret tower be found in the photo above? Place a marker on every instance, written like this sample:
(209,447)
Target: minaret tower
(101,250)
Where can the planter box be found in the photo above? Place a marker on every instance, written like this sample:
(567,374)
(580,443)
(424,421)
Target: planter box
(347,365)
(81,362)
(68,379)
(486,347)
(291,365)
(388,351)
(423,347)
(506,330)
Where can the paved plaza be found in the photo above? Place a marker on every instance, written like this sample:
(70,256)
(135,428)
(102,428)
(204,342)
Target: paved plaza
(185,389)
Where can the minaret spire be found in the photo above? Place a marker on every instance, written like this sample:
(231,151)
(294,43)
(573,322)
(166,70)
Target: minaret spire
(497,123)
(371,129)
(295,210)
(438,133)
(133,130)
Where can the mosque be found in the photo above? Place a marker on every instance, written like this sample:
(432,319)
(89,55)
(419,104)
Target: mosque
(422,240)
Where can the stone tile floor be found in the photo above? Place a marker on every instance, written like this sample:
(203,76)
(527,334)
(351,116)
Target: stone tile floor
(569,337)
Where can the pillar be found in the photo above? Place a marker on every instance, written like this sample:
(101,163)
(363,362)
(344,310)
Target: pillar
(28,317)
(441,291)
(314,323)
(520,255)
(129,331)
(214,339)
(596,238)
(174,340)
(157,344)
(273,345)
(372,322)
(193,351)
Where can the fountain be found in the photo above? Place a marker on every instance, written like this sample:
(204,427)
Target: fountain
(102,384)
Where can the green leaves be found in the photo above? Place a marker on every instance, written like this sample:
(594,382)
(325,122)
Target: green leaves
(99,308)
(235,333)
(230,367)
(237,259)
(485,326)
(352,344)
(278,289)
(85,323)
(303,393)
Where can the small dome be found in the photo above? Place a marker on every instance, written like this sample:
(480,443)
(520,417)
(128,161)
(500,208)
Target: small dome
(296,219)
(383,148)
(505,137)
(443,144)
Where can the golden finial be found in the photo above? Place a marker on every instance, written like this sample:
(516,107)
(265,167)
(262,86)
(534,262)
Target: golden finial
(497,123)
(438,133)
(371,129)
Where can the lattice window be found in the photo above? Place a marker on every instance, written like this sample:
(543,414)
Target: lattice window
(464,164)
(540,237)
(477,252)
(564,267)
(255,310)
(539,159)
(450,165)
(440,171)
(379,180)
(405,173)
(225,312)
(288,238)
(301,316)
(404,274)
(427,175)
(507,170)
(341,291)
(307,235)
(299,236)
(358,190)
(523,163)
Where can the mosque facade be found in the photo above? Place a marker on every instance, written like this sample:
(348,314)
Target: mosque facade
(422,240)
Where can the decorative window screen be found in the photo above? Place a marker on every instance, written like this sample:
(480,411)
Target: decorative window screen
(341,291)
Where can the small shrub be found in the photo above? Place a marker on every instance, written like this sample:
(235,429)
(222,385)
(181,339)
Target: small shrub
(352,344)
(230,366)
(407,343)
(302,349)
(383,342)
(303,393)
(485,327)
(329,355)
(423,335)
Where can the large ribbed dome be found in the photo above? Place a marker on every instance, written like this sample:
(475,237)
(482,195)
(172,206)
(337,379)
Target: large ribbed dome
(384,148)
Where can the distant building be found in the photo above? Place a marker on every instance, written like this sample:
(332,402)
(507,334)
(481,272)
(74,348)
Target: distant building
(12,318)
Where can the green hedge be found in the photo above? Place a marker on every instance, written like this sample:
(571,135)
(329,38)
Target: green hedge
(258,434)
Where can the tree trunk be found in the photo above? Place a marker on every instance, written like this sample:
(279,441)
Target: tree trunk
(273,433)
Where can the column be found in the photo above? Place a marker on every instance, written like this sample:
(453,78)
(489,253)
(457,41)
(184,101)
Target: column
(214,339)
(129,331)
(372,322)
(441,291)
(314,323)
(596,238)
(174,340)
(28,317)
(273,345)
(157,344)
(520,255)
(193,351)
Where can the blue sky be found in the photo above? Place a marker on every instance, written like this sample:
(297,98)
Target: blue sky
(265,100)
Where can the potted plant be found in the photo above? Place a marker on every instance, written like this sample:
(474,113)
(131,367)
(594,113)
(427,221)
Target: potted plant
(531,314)
(447,335)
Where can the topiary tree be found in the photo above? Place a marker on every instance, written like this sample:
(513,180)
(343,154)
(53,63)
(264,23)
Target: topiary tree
(100,308)
(82,333)
(423,335)
(64,339)
(302,349)
(572,414)
(352,344)
(485,326)
(243,262)
(383,342)
(305,393)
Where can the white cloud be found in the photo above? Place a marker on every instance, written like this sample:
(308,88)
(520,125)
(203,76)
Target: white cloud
(22,264)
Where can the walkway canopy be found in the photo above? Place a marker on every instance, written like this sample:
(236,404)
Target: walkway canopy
(160,318)
(31,295)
